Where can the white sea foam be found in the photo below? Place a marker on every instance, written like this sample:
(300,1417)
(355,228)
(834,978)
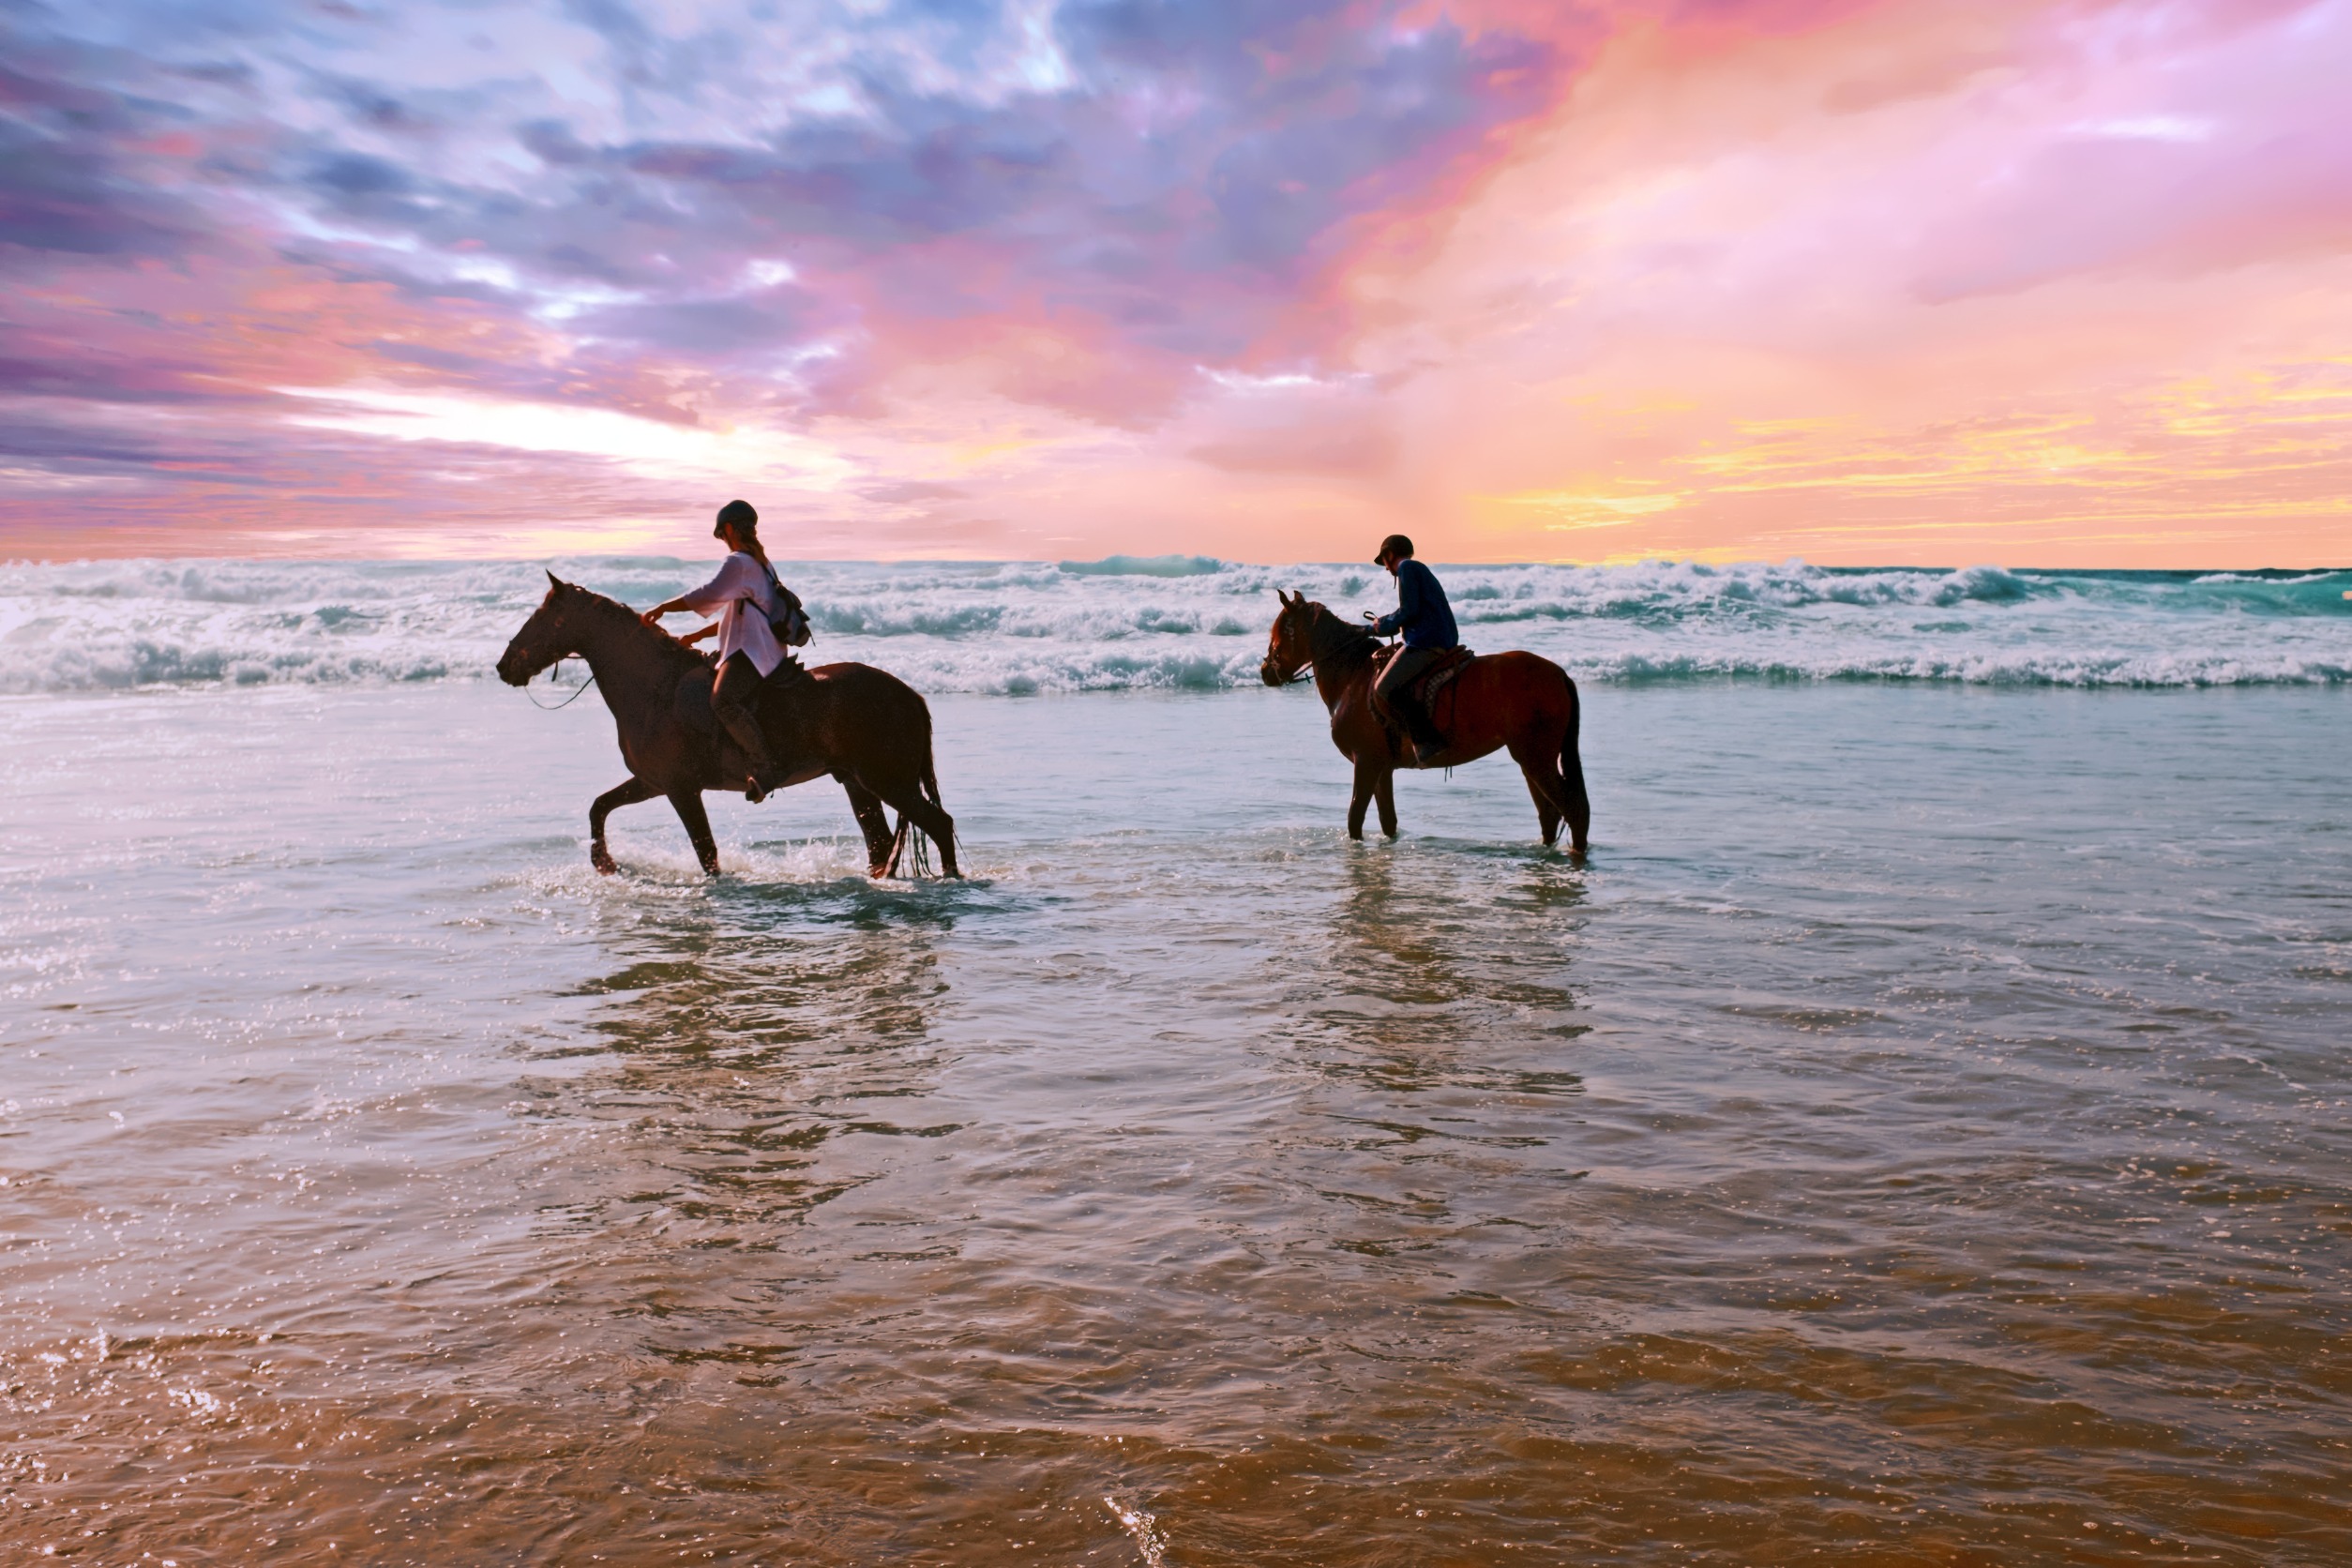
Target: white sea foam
(1190,623)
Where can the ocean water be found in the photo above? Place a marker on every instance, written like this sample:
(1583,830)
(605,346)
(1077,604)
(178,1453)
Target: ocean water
(1187,623)
(1921,1132)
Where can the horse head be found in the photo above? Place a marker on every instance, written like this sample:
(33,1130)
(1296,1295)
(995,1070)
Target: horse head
(1291,647)
(548,635)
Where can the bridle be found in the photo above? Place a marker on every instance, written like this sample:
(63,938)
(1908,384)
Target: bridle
(554,664)
(1306,665)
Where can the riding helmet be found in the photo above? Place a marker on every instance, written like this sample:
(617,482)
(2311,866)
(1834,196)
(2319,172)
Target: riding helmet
(1397,545)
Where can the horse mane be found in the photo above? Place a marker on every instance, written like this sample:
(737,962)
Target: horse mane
(653,637)
(1331,639)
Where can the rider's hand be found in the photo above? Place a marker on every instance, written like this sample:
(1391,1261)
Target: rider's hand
(653,616)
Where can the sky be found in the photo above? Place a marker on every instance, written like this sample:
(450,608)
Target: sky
(2004,281)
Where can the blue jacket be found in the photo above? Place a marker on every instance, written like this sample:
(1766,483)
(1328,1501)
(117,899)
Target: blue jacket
(1421,609)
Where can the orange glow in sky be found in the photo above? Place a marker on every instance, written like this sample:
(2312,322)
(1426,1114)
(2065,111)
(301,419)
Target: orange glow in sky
(2040,284)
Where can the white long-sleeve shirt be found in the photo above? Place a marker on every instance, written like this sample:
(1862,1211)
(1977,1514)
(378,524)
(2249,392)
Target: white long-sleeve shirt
(740,597)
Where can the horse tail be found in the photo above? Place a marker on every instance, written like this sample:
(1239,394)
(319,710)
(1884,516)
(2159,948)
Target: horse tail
(910,835)
(1579,806)
(917,841)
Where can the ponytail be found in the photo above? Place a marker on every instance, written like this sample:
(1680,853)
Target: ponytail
(745,520)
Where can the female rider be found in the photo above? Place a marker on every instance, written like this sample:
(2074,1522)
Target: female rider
(743,595)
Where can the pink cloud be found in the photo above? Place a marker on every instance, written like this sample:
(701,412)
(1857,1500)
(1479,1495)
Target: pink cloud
(1528,280)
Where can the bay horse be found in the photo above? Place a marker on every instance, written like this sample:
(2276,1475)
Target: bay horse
(1516,700)
(866,727)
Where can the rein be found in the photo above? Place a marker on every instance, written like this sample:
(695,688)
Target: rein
(550,707)
(1306,667)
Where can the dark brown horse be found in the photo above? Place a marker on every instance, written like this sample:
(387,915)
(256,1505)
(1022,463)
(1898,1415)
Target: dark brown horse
(1515,699)
(870,730)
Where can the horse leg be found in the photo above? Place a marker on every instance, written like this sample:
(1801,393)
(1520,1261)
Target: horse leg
(629,793)
(1557,785)
(1545,792)
(866,805)
(688,804)
(1578,805)
(1544,785)
(897,847)
(909,802)
(1367,784)
(1384,792)
(946,845)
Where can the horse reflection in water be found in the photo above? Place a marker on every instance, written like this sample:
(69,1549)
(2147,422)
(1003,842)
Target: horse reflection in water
(1414,987)
(754,1068)
(866,727)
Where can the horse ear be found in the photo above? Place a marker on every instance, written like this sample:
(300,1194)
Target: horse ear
(554,581)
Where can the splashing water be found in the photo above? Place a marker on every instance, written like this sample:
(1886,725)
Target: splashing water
(1143,1528)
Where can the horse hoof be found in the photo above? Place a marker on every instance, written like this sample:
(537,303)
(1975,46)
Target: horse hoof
(601,859)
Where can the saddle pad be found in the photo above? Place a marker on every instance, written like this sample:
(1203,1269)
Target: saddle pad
(1431,681)
(1440,677)
(1425,686)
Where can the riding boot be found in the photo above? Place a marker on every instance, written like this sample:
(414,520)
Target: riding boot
(1428,743)
(765,774)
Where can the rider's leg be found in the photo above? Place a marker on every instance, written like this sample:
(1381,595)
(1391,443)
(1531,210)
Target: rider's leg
(1402,672)
(735,701)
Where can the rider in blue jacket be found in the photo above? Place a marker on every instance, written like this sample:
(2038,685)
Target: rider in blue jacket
(1427,622)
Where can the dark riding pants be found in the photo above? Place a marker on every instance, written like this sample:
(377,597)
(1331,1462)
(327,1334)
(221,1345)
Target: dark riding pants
(1403,670)
(735,701)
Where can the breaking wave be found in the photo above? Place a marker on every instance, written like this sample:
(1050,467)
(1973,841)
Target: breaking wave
(1194,623)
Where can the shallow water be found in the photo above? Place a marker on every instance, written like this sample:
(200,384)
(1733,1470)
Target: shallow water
(1918,1134)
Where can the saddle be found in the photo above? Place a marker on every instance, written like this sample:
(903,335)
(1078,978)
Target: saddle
(1425,688)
